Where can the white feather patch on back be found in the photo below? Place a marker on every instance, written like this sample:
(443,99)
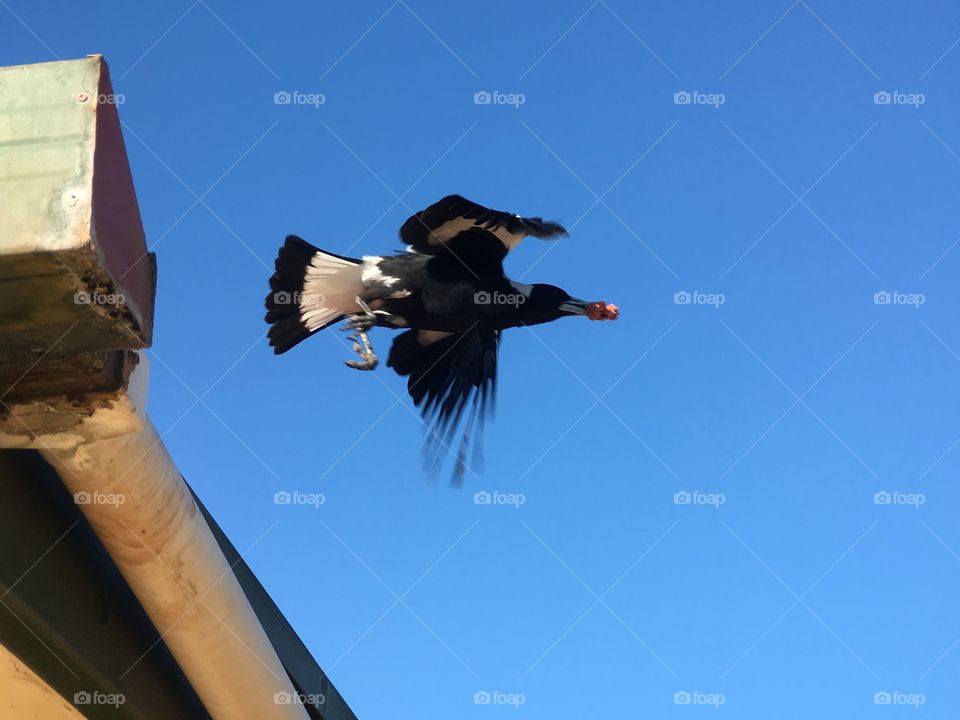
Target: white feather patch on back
(373,275)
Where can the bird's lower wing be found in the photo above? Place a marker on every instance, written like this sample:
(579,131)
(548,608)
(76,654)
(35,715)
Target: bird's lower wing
(447,375)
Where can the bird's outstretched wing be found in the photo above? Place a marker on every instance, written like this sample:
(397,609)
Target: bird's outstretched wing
(458,225)
(447,373)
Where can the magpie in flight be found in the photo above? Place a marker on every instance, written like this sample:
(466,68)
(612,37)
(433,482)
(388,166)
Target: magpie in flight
(449,289)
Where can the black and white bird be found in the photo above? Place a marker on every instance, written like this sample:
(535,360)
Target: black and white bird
(448,290)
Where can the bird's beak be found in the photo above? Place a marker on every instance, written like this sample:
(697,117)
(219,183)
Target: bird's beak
(573,306)
(599,310)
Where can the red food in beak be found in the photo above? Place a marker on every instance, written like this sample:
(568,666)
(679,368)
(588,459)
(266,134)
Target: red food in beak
(601,310)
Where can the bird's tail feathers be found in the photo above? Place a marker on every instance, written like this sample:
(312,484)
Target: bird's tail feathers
(310,290)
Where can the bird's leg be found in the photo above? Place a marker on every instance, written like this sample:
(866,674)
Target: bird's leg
(360,323)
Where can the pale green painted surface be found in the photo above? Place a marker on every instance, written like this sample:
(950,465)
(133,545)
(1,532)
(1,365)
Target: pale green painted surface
(48,255)
(46,154)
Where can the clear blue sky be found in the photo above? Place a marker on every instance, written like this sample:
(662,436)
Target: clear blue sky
(796,199)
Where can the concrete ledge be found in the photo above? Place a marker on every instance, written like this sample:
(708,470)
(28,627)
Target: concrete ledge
(76,279)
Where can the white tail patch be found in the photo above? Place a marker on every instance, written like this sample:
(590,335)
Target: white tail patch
(330,289)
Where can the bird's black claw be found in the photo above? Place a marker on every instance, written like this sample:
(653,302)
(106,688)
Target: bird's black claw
(361,322)
(367,362)
(362,347)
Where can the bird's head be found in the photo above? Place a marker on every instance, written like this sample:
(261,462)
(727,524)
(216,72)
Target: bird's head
(544,303)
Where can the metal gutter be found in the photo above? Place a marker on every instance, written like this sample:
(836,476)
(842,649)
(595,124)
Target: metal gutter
(67,614)
(150,525)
